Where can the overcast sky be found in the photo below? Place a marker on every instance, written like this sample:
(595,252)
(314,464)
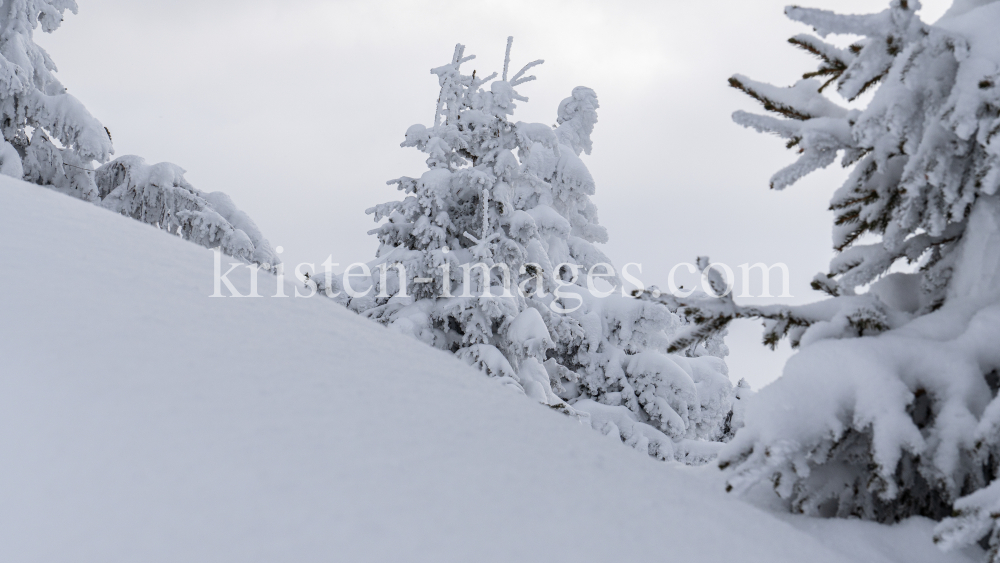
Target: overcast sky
(296,108)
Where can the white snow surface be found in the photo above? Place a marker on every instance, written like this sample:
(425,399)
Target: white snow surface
(141,420)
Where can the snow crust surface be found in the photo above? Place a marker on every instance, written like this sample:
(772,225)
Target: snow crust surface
(141,420)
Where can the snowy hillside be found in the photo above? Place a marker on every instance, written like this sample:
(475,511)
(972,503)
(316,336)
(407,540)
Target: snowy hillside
(141,420)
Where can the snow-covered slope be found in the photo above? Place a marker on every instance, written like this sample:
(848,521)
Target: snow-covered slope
(141,420)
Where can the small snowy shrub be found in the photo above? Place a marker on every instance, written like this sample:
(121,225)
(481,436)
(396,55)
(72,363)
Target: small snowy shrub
(159,195)
(50,139)
(889,409)
(493,245)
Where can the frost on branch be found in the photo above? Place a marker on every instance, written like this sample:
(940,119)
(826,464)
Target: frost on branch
(921,151)
(487,253)
(882,308)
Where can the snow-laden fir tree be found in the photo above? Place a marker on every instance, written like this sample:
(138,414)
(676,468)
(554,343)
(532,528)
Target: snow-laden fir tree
(49,138)
(889,409)
(488,254)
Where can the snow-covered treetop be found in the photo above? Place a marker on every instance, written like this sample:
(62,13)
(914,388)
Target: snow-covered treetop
(471,159)
(576,118)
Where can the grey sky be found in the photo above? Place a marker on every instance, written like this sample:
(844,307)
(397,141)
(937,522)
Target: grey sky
(296,109)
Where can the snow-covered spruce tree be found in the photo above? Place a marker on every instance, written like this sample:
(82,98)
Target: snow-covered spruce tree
(889,408)
(49,137)
(52,140)
(487,257)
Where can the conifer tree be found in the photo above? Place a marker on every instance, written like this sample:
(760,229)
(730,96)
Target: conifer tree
(54,136)
(461,239)
(488,254)
(889,409)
